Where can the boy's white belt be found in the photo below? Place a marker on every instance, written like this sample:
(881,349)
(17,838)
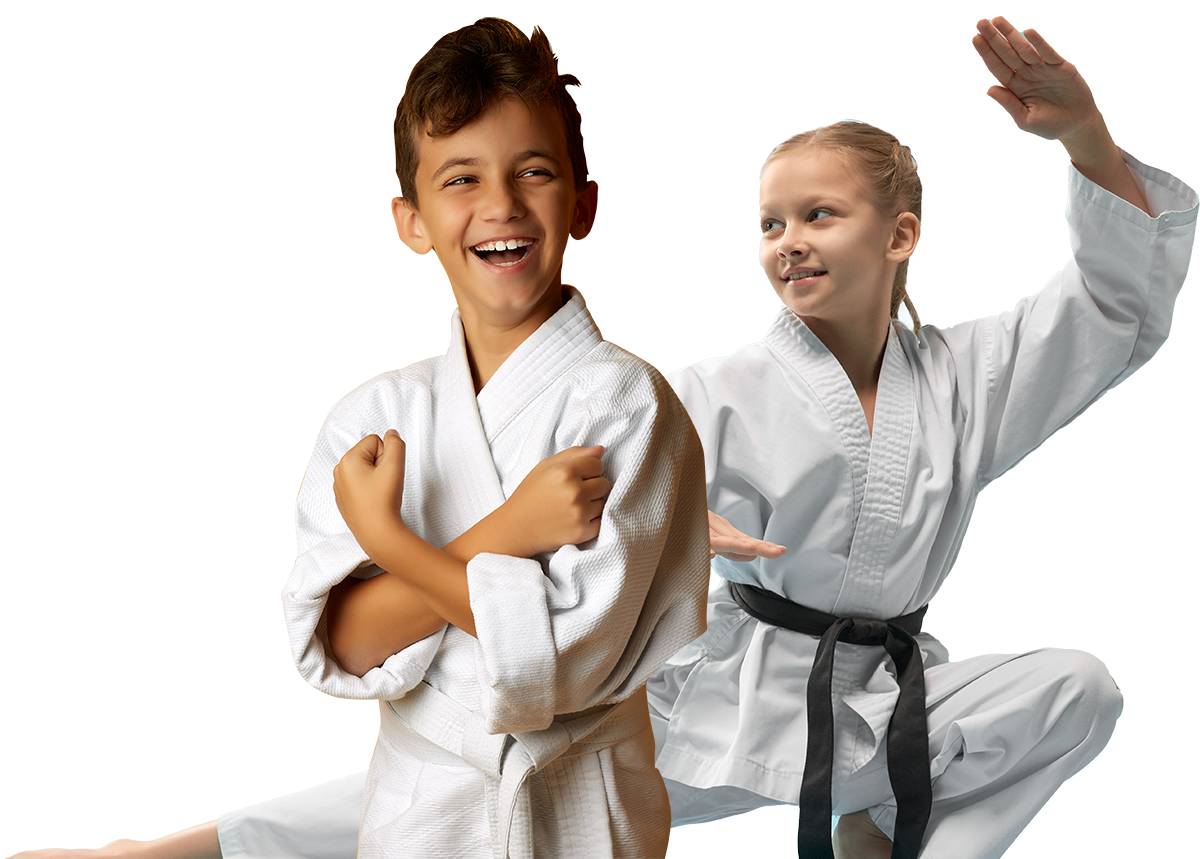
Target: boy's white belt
(509,759)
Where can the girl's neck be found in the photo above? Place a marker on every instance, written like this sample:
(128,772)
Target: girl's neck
(859,349)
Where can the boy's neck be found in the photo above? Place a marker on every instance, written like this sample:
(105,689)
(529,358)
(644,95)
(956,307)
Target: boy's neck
(490,341)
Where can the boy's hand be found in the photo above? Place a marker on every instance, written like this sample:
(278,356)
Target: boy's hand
(729,542)
(1043,93)
(368,485)
(560,501)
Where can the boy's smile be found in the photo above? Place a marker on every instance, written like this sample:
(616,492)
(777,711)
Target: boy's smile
(496,202)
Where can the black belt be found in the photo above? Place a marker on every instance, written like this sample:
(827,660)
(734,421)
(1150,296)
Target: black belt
(908,730)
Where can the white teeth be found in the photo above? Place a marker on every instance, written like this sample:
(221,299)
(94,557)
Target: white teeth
(504,245)
(802,274)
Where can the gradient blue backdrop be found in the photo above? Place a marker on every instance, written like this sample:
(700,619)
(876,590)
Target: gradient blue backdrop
(198,260)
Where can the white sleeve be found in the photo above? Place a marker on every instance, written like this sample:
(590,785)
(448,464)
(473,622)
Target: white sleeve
(1028,372)
(329,554)
(600,618)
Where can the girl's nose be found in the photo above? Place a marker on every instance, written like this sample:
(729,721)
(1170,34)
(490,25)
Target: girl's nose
(793,244)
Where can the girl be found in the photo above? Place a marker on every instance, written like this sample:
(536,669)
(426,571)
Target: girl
(862,447)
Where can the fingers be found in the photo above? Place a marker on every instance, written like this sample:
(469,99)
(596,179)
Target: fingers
(597,488)
(1000,47)
(729,542)
(366,450)
(998,67)
(1016,41)
(1047,53)
(1006,51)
(392,445)
(1015,107)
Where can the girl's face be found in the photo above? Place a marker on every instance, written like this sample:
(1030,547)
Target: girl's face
(826,247)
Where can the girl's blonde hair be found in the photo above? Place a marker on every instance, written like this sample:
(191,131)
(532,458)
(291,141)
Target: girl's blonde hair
(889,170)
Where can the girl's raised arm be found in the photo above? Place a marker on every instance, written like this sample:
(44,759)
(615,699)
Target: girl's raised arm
(1045,95)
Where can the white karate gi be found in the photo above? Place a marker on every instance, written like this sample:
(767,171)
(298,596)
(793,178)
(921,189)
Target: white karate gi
(872,526)
(535,738)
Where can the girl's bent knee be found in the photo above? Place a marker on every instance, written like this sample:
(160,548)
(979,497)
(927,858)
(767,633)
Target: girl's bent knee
(1095,696)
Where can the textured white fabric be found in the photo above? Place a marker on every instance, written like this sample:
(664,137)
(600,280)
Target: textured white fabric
(580,628)
(873,525)
(790,458)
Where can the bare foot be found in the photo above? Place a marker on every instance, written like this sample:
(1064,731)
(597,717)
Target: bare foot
(116,849)
(199,842)
(857,837)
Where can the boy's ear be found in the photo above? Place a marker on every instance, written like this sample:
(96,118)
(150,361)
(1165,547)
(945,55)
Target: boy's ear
(409,226)
(905,235)
(585,210)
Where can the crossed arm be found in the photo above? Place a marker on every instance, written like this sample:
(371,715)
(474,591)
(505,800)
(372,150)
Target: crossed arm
(559,503)
(367,620)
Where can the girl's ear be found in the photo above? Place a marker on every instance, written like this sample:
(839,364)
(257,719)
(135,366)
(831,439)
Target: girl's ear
(905,235)
(409,226)
(585,210)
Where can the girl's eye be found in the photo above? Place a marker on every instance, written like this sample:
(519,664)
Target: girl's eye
(820,214)
(770,225)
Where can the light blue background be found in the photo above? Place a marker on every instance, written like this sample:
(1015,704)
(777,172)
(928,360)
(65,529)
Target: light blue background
(198,260)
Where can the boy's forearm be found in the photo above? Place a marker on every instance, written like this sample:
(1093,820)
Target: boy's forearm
(367,620)
(370,619)
(438,578)
(494,534)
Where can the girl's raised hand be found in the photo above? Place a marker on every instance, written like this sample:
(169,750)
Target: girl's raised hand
(729,542)
(1043,93)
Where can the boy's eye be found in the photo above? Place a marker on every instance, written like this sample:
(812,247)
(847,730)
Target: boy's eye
(820,214)
(536,171)
(460,180)
(770,225)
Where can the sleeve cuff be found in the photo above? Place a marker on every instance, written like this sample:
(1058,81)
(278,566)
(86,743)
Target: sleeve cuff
(304,597)
(516,655)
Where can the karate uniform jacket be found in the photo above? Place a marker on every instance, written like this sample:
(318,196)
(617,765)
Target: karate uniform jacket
(546,708)
(872,524)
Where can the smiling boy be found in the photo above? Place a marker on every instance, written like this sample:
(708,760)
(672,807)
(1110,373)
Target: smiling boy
(511,687)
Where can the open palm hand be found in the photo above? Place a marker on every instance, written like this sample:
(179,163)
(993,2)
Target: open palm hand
(1043,93)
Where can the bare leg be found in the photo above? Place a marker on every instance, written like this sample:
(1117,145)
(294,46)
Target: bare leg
(857,837)
(199,842)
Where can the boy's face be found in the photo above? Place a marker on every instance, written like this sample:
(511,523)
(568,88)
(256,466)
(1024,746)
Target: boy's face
(504,180)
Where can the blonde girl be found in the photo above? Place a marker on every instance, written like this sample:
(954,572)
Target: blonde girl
(862,445)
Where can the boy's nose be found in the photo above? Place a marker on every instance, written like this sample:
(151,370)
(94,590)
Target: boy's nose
(502,204)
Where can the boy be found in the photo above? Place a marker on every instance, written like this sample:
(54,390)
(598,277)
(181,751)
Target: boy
(512,691)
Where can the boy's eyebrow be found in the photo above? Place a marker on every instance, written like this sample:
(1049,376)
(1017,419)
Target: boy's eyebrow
(536,153)
(455,162)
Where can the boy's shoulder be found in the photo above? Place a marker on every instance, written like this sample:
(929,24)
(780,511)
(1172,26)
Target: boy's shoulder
(389,395)
(611,374)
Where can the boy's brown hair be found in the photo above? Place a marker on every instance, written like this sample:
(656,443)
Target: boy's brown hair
(468,71)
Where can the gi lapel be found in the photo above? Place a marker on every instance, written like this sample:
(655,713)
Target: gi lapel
(539,362)
(879,516)
(464,457)
(816,366)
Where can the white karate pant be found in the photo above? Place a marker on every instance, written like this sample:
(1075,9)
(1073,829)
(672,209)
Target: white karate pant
(999,747)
